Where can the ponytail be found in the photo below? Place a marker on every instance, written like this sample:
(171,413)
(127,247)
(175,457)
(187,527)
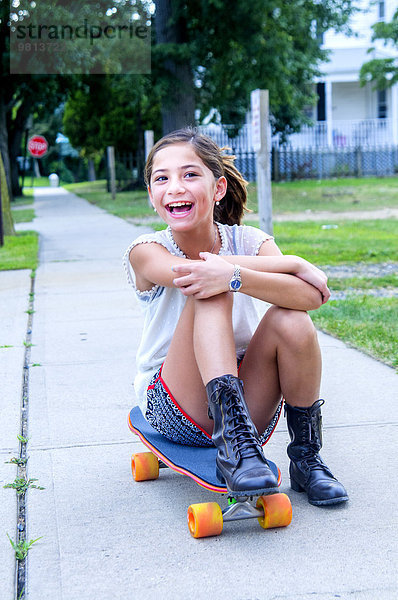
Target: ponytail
(232,206)
(231,209)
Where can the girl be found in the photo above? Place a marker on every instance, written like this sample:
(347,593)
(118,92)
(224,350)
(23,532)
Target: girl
(197,281)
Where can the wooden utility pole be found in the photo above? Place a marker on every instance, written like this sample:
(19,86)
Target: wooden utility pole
(111,166)
(1,221)
(148,142)
(261,141)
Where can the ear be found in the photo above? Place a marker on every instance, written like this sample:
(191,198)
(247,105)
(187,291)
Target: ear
(150,196)
(221,189)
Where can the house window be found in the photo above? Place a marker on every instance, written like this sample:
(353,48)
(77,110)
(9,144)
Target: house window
(381,104)
(382,10)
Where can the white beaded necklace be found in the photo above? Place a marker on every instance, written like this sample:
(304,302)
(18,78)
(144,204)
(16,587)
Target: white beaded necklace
(210,251)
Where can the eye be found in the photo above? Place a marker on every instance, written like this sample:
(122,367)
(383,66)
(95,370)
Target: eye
(191,174)
(160,178)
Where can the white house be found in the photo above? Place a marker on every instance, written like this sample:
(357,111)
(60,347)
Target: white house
(348,114)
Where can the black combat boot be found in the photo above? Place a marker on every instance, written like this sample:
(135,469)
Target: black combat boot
(241,463)
(308,473)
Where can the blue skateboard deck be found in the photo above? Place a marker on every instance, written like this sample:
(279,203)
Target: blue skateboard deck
(198,463)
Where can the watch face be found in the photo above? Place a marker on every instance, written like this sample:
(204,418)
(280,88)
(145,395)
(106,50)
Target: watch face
(235,284)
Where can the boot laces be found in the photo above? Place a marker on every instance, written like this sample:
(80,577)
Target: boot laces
(240,431)
(309,438)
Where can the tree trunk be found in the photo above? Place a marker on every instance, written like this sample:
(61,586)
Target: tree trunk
(4,146)
(178,105)
(16,130)
(7,222)
(15,150)
(91,170)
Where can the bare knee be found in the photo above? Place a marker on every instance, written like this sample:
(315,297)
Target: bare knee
(293,327)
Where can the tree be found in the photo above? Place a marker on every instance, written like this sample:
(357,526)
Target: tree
(383,72)
(111,111)
(45,78)
(6,221)
(20,97)
(210,54)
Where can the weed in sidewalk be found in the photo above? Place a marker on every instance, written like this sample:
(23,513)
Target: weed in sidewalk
(21,485)
(22,547)
(20,462)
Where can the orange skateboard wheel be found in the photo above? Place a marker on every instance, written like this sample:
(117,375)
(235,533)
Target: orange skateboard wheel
(277,511)
(144,466)
(205,519)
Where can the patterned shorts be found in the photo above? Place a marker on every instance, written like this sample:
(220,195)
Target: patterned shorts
(168,418)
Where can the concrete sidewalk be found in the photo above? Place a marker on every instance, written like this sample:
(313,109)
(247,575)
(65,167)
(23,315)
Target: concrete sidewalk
(106,537)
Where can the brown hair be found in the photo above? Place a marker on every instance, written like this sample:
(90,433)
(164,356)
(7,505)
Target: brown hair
(232,206)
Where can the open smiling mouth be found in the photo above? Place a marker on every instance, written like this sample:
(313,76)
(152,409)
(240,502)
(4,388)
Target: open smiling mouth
(179,208)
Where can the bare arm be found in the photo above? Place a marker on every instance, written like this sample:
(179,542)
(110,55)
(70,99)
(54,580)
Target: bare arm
(270,277)
(309,284)
(152,264)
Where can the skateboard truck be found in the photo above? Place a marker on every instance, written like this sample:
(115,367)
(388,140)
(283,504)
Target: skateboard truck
(241,508)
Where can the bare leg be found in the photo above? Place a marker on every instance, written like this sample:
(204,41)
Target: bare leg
(213,337)
(283,358)
(202,348)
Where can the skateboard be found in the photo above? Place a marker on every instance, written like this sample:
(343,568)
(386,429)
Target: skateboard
(199,463)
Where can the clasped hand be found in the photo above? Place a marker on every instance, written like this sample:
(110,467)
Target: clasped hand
(311,274)
(203,278)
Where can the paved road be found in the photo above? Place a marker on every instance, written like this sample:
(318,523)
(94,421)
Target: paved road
(106,537)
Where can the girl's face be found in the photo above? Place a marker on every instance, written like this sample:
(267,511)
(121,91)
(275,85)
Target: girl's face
(182,189)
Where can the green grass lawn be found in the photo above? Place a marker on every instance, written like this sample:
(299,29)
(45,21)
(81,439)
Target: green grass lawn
(37,182)
(24,215)
(19,251)
(365,322)
(363,283)
(333,195)
(336,195)
(22,201)
(352,241)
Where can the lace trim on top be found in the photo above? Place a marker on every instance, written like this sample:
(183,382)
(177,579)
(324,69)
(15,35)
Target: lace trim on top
(267,238)
(143,294)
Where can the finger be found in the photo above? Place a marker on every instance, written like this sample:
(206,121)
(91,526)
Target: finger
(181,269)
(208,256)
(325,296)
(182,281)
(189,290)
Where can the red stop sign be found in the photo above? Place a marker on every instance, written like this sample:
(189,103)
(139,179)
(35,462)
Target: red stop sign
(37,146)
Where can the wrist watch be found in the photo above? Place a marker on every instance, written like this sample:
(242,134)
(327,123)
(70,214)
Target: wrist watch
(236,282)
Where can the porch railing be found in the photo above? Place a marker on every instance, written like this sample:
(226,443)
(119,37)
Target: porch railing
(343,134)
(364,133)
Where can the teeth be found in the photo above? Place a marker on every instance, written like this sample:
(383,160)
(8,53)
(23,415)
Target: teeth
(180,204)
